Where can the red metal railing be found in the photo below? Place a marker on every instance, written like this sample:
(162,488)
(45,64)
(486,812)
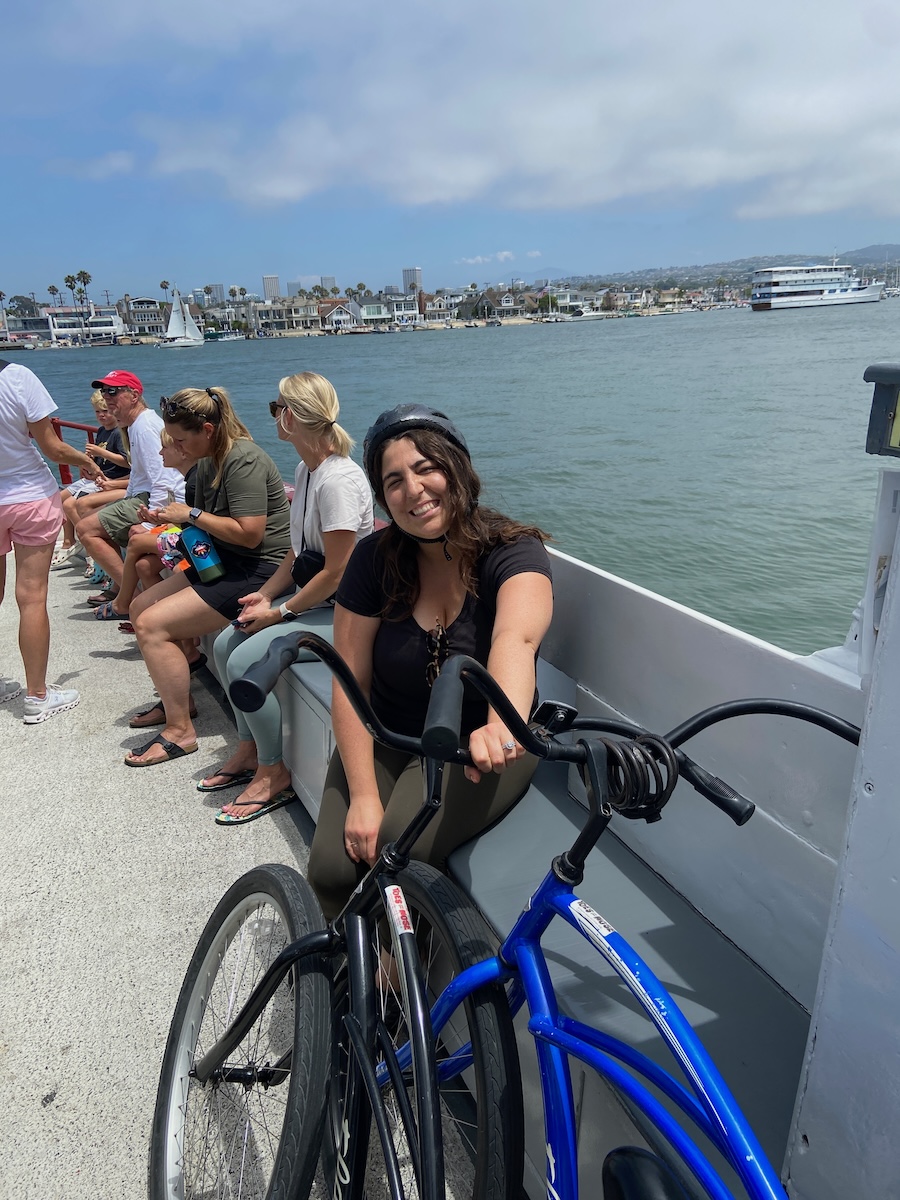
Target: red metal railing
(65,471)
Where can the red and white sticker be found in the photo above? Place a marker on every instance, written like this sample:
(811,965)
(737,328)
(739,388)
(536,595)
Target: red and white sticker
(397,910)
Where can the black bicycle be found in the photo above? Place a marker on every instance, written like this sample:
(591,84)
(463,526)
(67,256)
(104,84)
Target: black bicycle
(290,1036)
(285,1026)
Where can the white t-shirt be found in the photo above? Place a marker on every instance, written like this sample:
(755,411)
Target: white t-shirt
(339,498)
(24,475)
(147,471)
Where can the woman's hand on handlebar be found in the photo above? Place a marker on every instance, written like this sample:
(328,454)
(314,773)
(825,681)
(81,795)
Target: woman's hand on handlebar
(361,828)
(493,748)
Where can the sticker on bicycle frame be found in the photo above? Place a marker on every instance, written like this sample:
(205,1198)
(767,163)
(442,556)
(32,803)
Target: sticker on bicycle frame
(397,910)
(590,922)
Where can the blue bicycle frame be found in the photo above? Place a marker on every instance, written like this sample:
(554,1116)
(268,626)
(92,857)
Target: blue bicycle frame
(708,1104)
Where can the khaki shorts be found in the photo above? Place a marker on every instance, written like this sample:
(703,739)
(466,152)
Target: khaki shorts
(118,518)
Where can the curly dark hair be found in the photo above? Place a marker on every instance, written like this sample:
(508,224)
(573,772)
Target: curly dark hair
(472,530)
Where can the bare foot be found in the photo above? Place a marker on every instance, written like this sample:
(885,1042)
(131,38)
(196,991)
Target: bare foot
(266,785)
(243,759)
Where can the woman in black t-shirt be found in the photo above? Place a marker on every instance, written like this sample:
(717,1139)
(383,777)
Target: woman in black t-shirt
(446,576)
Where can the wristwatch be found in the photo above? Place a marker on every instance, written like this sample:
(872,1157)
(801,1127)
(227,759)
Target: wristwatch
(286,614)
(195,515)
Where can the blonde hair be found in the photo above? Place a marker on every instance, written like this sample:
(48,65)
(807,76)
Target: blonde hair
(99,405)
(314,403)
(197,406)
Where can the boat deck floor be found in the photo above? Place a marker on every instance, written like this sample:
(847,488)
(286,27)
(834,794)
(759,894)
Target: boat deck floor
(108,875)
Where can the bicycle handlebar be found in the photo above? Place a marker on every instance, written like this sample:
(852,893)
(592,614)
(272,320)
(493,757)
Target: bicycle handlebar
(441,734)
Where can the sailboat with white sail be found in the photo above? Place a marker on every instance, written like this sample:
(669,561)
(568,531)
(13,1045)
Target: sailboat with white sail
(182,329)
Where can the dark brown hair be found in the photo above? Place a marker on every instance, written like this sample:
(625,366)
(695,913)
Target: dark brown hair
(472,530)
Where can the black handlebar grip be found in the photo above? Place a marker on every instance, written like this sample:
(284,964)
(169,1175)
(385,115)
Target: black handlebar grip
(249,692)
(440,737)
(717,791)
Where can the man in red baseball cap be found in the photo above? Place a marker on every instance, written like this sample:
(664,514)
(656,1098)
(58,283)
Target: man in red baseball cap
(119,380)
(105,532)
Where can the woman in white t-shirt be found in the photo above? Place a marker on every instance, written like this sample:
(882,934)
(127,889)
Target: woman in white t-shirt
(31,517)
(330,512)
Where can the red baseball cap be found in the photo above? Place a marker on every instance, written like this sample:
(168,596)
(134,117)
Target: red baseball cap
(120,379)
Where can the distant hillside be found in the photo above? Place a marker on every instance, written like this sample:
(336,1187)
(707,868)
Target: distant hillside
(870,260)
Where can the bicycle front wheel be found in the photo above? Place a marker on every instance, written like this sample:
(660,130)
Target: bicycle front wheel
(257,1137)
(481,1100)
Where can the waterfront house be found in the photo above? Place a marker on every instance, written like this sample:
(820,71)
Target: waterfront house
(143,316)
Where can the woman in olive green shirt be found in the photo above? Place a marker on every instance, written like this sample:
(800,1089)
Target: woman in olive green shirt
(243,511)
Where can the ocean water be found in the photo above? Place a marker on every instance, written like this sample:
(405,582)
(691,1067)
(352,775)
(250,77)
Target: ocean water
(717,458)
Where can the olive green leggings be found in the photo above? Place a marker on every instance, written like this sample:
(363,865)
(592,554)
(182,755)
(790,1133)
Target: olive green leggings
(467,809)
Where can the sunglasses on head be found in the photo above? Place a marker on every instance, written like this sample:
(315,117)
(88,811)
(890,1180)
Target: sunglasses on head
(170,409)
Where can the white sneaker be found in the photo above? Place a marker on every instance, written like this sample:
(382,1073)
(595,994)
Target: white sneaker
(54,702)
(9,689)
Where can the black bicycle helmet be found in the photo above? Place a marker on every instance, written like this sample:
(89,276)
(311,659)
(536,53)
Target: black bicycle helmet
(400,420)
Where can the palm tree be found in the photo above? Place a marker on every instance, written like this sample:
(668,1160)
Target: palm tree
(3,313)
(53,292)
(70,282)
(362,289)
(84,279)
(165,285)
(243,292)
(232,292)
(207,291)
(335,291)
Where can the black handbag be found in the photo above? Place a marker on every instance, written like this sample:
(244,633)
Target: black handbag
(307,563)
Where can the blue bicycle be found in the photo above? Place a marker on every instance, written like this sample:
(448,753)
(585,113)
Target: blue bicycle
(423,1067)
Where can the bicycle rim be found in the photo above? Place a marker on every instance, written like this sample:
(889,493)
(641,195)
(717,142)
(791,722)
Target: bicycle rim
(246,1140)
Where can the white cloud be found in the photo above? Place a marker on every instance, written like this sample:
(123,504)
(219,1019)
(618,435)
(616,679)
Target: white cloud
(477,260)
(504,256)
(532,254)
(793,107)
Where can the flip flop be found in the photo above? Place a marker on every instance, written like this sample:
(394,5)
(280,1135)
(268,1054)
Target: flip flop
(197,665)
(171,749)
(279,800)
(137,723)
(126,627)
(102,597)
(235,778)
(106,612)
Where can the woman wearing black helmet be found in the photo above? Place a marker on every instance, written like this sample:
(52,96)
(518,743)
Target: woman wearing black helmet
(446,576)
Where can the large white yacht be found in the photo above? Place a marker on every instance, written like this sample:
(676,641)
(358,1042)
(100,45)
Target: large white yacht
(805,287)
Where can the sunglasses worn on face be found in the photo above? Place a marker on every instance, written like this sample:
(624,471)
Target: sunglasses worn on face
(112,391)
(275,408)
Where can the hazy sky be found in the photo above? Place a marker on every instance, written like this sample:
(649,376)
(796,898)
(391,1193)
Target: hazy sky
(218,140)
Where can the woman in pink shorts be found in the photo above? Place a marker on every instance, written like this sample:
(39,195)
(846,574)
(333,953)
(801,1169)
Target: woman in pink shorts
(30,520)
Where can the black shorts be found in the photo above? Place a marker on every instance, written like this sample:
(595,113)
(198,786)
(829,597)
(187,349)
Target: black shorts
(239,580)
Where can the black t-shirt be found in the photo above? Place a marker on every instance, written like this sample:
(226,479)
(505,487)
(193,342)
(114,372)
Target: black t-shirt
(111,440)
(403,649)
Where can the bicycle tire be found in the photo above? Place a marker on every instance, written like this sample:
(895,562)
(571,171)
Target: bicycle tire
(237,1140)
(481,1112)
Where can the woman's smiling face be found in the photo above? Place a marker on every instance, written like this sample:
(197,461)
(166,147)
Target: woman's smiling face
(415,489)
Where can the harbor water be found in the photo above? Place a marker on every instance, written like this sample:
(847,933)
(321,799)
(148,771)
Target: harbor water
(717,458)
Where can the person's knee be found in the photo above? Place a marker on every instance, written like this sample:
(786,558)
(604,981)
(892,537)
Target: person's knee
(90,527)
